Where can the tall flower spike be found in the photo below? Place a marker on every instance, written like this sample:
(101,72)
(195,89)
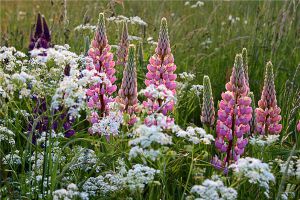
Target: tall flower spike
(140,54)
(234,116)
(298,126)
(128,92)
(163,47)
(253,120)
(100,39)
(208,111)
(161,66)
(122,52)
(245,65)
(268,113)
(101,62)
(160,79)
(41,37)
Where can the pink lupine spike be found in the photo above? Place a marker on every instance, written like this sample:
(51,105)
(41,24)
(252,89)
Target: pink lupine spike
(160,79)
(298,126)
(208,111)
(128,92)
(122,52)
(163,46)
(99,94)
(100,39)
(268,113)
(234,116)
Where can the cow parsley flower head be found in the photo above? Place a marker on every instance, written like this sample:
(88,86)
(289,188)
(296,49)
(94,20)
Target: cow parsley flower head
(255,171)
(213,189)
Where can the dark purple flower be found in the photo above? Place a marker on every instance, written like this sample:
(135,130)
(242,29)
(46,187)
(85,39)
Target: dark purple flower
(41,37)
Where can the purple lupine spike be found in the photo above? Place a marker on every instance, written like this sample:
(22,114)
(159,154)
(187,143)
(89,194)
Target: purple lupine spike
(99,94)
(122,52)
(128,91)
(163,46)
(38,27)
(208,111)
(100,38)
(41,37)
(161,77)
(46,31)
(234,116)
(268,113)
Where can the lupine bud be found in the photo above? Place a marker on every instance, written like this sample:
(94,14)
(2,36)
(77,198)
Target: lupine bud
(245,65)
(298,126)
(100,39)
(208,111)
(99,94)
(268,113)
(41,37)
(234,116)
(86,45)
(253,120)
(122,52)
(163,46)
(140,54)
(128,92)
(161,77)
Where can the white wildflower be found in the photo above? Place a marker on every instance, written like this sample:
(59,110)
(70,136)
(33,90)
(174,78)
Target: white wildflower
(255,171)
(213,189)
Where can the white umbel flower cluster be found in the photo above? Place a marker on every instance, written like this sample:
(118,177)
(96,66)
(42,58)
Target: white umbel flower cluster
(255,171)
(195,135)
(293,167)
(264,140)
(134,179)
(144,138)
(213,189)
(70,193)
(7,135)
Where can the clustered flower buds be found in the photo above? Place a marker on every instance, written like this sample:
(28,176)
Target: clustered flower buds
(208,111)
(160,77)
(122,52)
(41,37)
(268,113)
(99,93)
(234,116)
(128,92)
(245,66)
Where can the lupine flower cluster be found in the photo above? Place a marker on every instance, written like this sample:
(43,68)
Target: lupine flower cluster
(161,75)
(268,113)
(298,126)
(41,38)
(208,111)
(99,93)
(234,116)
(128,91)
(122,52)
